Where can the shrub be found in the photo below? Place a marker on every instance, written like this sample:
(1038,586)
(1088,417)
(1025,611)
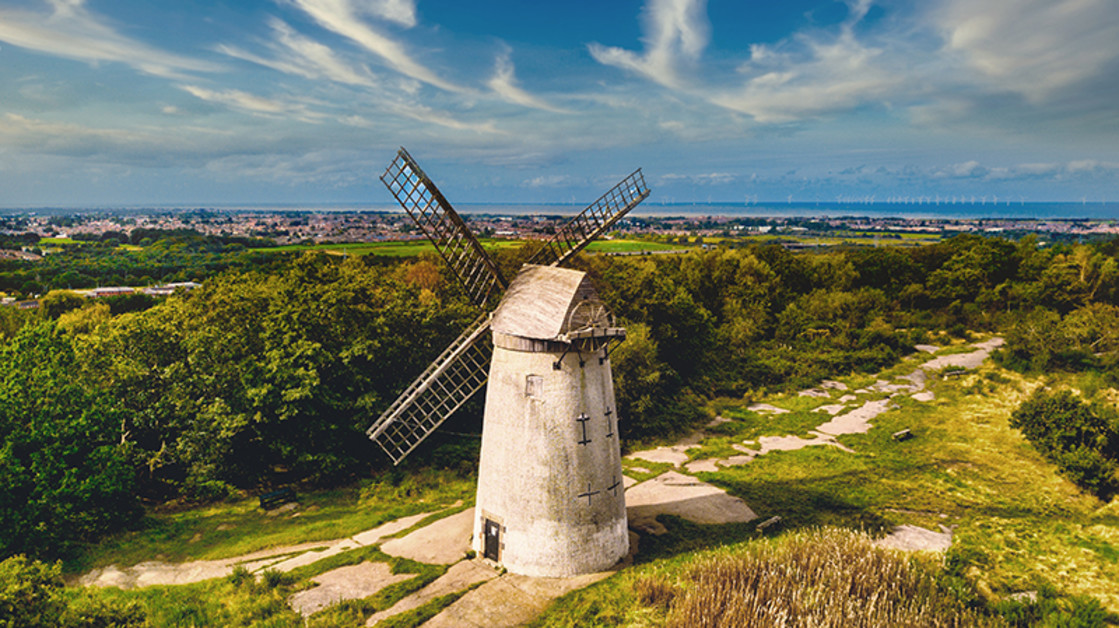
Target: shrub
(30,593)
(272,578)
(1083,442)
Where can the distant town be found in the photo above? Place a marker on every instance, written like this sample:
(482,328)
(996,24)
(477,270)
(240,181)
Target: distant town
(317,227)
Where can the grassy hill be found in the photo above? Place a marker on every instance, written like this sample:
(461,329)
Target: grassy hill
(1021,531)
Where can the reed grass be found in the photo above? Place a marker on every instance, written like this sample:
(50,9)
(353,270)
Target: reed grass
(823,577)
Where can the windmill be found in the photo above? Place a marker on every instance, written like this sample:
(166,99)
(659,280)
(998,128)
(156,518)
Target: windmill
(550,499)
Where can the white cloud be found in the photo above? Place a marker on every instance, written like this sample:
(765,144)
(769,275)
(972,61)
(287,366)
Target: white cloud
(504,84)
(822,74)
(71,31)
(298,55)
(1036,48)
(329,167)
(252,103)
(18,130)
(402,12)
(1041,171)
(675,31)
(966,170)
(708,178)
(550,181)
(427,115)
(344,18)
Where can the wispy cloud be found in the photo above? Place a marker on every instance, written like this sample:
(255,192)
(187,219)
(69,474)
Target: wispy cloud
(1039,171)
(443,119)
(1037,48)
(67,29)
(323,167)
(60,137)
(298,55)
(676,32)
(707,178)
(504,84)
(814,74)
(252,103)
(344,18)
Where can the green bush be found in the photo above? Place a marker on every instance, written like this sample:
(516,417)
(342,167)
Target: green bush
(32,595)
(1083,441)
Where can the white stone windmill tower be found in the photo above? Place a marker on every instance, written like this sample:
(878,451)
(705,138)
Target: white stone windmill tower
(550,499)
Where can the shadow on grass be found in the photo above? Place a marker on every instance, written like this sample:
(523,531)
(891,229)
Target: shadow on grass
(799,504)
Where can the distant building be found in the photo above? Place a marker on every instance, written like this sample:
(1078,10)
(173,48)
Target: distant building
(168,289)
(110,291)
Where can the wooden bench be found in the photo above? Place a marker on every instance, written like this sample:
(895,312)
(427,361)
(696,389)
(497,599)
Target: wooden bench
(905,434)
(276,498)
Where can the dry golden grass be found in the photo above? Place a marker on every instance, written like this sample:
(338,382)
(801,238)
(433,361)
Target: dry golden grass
(824,577)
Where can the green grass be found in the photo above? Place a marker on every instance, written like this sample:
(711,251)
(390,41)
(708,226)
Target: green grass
(825,577)
(413,248)
(406,248)
(239,527)
(245,600)
(633,246)
(832,239)
(1018,524)
(58,242)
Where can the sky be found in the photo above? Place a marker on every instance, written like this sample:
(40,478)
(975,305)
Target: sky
(223,102)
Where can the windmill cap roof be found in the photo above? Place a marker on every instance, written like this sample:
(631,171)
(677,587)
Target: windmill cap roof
(539,301)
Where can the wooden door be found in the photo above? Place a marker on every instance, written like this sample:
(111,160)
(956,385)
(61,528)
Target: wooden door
(493,540)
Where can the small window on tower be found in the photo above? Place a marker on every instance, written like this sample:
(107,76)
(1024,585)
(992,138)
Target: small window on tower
(534,386)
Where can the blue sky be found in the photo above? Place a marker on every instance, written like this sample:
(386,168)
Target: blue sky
(130,102)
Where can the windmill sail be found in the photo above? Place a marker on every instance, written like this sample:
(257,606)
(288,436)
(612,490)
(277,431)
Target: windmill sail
(435,395)
(593,221)
(443,226)
(462,369)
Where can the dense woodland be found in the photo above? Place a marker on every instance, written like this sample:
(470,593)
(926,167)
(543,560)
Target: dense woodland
(269,373)
(158,256)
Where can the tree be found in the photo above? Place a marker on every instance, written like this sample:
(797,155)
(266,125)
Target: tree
(64,474)
(58,302)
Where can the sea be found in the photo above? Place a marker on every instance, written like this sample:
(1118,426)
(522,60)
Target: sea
(930,210)
(1001,210)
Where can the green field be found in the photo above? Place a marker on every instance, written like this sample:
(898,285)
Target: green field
(412,248)
(57,242)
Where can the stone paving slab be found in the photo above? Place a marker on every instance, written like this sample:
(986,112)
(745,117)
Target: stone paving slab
(911,538)
(285,558)
(965,360)
(352,582)
(460,576)
(856,421)
(508,601)
(444,542)
(675,455)
(766,408)
(677,494)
